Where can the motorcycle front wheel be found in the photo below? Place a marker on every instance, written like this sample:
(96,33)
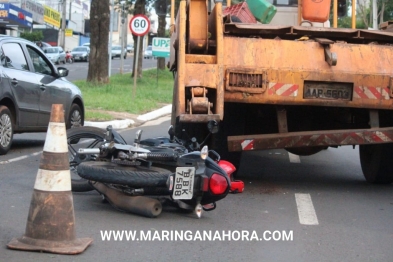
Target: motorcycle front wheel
(82,137)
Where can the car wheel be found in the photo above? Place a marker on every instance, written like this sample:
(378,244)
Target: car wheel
(75,118)
(6,130)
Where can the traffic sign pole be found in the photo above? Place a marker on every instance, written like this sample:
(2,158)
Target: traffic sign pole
(136,65)
(139,26)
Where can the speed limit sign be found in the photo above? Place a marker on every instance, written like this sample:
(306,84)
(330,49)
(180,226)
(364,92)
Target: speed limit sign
(139,25)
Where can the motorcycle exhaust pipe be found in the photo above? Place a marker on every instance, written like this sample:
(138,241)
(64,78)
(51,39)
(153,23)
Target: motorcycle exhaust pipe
(140,205)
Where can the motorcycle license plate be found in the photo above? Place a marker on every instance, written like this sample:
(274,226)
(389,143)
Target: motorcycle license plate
(183,185)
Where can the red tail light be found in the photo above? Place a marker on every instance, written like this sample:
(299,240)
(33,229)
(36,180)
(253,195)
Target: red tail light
(218,184)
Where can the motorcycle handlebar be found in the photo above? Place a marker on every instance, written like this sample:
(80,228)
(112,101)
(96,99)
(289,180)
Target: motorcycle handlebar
(87,151)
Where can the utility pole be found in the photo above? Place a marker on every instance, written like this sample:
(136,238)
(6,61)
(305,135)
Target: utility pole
(122,37)
(375,15)
(69,11)
(63,23)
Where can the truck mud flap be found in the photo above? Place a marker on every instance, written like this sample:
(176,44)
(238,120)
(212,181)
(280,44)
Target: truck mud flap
(311,138)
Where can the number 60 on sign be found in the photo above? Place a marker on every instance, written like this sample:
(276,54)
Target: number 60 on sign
(139,25)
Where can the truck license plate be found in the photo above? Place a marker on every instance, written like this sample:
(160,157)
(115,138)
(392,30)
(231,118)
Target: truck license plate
(327,90)
(184,183)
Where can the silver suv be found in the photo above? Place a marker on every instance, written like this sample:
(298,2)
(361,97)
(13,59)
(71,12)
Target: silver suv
(29,85)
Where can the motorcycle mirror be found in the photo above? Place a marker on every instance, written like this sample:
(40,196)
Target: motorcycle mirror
(108,134)
(212,126)
(138,137)
(171,132)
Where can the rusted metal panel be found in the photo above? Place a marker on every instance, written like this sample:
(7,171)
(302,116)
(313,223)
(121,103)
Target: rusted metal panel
(219,106)
(181,70)
(288,64)
(384,25)
(204,75)
(245,80)
(311,138)
(198,118)
(197,25)
(201,59)
(199,105)
(350,35)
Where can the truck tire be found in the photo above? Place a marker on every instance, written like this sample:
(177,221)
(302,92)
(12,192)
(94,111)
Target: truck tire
(376,163)
(134,176)
(232,125)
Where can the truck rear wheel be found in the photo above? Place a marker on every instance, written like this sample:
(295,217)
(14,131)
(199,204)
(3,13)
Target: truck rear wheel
(376,163)
(233,124)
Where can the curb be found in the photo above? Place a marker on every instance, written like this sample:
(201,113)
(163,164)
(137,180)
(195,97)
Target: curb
(125,123)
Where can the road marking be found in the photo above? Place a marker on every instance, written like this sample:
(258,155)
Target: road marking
(305,209)
(19,158)
(293,158)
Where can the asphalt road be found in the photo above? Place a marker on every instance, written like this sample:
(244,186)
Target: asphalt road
(78,70)
(316,208)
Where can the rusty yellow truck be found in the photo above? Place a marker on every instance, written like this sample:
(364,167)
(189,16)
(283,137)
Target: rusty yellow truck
(296,87)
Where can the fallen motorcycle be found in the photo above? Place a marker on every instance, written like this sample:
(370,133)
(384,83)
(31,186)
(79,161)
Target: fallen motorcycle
(139,178)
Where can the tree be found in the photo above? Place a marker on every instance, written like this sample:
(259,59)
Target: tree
(99,26)
(364,11)
(32,36)
(161,8)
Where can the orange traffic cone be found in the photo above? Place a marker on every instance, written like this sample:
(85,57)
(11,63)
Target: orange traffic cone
(51,222)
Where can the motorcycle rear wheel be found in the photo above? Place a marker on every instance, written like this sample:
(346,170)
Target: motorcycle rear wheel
(86,137)
(133,176)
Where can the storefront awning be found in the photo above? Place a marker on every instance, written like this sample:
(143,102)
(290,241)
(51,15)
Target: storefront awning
(12,16)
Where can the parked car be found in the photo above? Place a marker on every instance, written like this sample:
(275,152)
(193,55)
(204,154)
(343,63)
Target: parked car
(56,54)
(130,48)
(116,52)
(148,52)
(30,84)
(81,53)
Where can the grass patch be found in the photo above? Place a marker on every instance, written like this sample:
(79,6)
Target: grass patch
(97,116)
(118,94)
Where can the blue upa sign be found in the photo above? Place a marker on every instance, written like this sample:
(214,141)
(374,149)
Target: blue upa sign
(161,46)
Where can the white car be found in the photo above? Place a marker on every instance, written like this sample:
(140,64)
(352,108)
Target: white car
(130,48)
(116,52)
(148,52)
(56,54)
